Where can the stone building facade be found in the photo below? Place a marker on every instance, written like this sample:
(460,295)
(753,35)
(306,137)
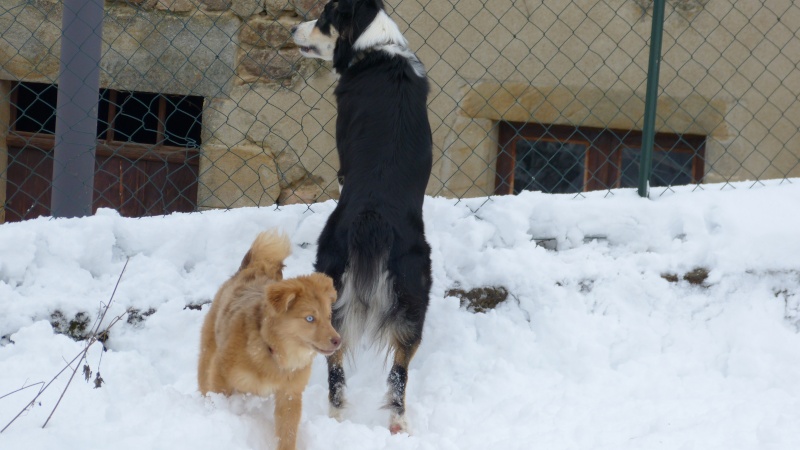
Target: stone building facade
(728,73)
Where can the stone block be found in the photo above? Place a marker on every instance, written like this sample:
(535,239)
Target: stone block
(176,54)
(244,175)
(263,31)
(277,7)
(266,64)
(290,167)
(216,5)
(145,4)
(26,54)
(222,126)
(177,6)
(309,9)
(309,190)
(246,8)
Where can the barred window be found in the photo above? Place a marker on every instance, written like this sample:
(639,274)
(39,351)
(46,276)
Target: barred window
(147,151)
(567,159)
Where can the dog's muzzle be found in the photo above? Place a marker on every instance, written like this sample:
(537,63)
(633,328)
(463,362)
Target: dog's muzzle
(305,50)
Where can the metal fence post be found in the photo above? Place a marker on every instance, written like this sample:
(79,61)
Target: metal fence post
(5,116)
(651,99)
(76,112)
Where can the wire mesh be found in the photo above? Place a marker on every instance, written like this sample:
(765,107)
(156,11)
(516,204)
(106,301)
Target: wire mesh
(208,104)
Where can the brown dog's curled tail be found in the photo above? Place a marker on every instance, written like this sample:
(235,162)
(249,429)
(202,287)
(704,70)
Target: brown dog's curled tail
(267,254)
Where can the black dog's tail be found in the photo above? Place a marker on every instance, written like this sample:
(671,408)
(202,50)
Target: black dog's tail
(367,295)
(369,242)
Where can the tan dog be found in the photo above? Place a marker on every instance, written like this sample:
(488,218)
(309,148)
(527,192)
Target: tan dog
(262,332)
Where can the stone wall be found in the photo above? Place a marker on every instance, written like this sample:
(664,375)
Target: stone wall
(268,120)
(261,144)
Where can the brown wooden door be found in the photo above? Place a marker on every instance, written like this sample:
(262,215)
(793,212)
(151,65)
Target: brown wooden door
(134,182)
(28,187)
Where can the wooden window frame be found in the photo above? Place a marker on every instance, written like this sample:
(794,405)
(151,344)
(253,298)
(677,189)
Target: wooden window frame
(135,178)
(110,147)
(604,151)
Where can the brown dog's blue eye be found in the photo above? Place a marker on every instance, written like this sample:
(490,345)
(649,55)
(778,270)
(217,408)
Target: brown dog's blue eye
(309,319)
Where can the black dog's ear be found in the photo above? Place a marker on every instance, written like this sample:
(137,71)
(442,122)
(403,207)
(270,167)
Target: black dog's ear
(347,7)
(333,4)
(328,18)
(342,54)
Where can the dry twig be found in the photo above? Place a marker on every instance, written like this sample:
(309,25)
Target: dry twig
(94,337)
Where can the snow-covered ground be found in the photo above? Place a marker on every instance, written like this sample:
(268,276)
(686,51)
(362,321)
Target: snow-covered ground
(594,349)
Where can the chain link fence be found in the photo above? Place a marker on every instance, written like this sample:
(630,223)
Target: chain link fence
(207,103)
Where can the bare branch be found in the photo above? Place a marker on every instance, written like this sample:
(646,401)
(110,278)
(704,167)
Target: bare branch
(89,342)
(69,364)
(21,389)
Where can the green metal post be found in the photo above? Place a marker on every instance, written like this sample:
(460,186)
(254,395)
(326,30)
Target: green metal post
(651,99)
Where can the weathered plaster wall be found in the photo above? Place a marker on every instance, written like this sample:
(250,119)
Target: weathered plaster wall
(727,72)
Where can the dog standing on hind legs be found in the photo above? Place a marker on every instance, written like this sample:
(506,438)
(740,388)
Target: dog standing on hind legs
(373,244)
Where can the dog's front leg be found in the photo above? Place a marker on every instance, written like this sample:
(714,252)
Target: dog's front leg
(288,407)
(336,383)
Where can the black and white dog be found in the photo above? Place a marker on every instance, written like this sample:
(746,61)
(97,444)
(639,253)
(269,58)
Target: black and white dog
(373,245)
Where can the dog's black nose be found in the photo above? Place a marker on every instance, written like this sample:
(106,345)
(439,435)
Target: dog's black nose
(293,29)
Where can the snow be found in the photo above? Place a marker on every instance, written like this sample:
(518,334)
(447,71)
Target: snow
(594,349)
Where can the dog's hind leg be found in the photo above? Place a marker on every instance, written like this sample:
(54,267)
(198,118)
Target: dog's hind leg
(412,275)
(336,384)
(398,378)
